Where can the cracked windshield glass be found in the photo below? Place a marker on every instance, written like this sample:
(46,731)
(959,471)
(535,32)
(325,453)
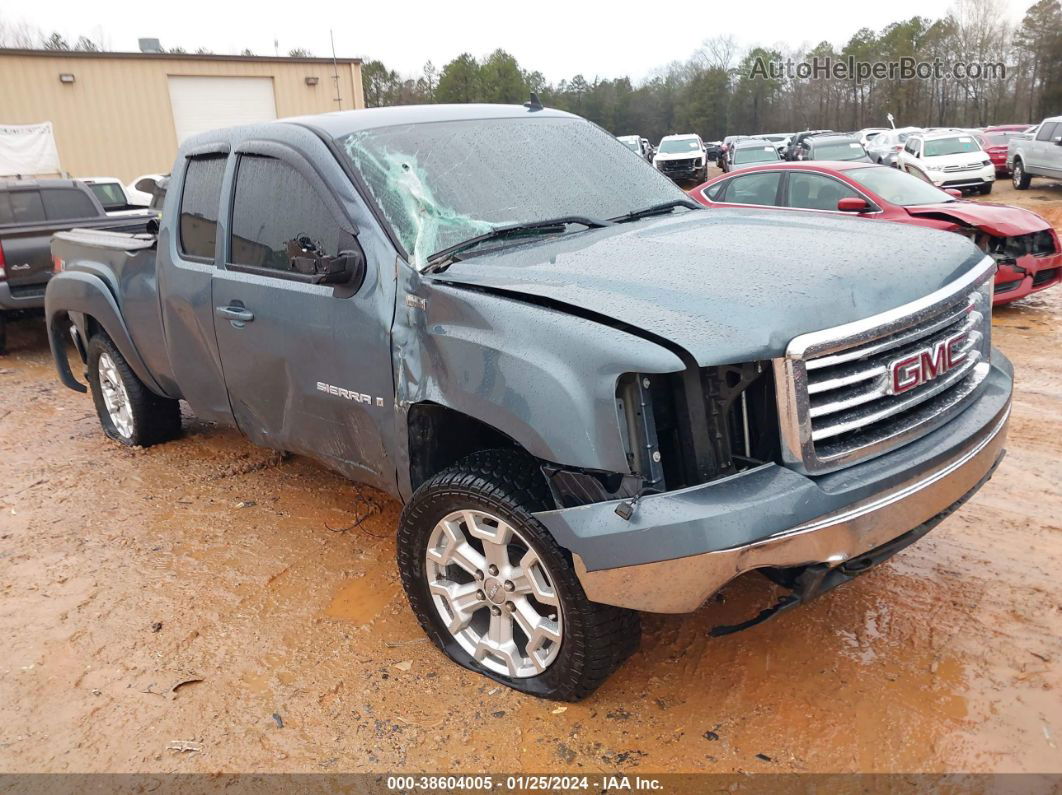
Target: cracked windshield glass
(440,184)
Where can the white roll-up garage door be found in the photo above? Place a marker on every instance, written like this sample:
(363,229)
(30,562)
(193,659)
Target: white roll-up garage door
(206,103)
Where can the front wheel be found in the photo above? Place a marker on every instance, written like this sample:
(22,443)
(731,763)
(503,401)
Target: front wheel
(1020,178)
(129,412)
(495,592)
(985,189)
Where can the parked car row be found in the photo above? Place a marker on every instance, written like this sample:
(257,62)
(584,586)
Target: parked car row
(966,159)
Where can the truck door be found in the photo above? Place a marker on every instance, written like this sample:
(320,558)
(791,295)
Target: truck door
(186,259)
(308,366)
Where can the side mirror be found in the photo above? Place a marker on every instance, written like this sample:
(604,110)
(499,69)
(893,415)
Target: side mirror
(955,194)
(347,267)
(1058,141)
(146,185)
(308,260)
(853,204)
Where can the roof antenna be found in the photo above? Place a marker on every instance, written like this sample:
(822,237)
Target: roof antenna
(534,103)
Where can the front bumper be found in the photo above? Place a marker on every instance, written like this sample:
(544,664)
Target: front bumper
(681,172)
(1031,275)
(772,517)
(960,179)
(31,297)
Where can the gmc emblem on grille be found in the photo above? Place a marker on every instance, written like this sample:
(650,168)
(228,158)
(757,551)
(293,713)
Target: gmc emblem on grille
(925,365)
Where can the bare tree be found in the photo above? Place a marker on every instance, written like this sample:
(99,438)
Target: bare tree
(19,35)
(55,42)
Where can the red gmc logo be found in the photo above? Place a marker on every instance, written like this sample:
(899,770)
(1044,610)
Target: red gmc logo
(926,364)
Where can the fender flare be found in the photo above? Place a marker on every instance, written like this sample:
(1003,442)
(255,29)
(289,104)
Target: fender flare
(88,294)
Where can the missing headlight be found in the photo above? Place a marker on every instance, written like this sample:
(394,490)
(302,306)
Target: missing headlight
(734,405)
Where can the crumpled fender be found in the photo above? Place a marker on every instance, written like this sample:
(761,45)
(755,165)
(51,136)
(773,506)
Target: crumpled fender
(88,294)
(543,377)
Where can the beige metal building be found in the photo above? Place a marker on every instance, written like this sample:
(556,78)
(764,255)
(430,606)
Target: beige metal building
(124,114)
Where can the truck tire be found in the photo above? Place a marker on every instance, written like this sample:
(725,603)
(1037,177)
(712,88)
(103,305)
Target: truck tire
(1020,178)
(495,592)
(985,189)
(129,412)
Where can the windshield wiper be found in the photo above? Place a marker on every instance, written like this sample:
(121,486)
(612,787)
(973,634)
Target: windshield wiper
(656,209)
(444,257)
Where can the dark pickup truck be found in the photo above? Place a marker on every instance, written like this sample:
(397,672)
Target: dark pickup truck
(31,211)
(593,396)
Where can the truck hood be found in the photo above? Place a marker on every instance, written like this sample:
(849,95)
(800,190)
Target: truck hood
(726,285)
(996,219)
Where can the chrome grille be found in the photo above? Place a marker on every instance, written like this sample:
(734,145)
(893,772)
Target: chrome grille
(837,398)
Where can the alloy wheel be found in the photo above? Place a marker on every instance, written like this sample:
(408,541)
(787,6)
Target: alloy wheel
(494,594)
(115,397)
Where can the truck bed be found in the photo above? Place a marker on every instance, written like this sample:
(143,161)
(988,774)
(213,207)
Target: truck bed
(126,263)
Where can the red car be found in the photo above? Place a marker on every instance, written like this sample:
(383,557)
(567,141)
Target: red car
(1009,128)
(1022,243)
(995,141)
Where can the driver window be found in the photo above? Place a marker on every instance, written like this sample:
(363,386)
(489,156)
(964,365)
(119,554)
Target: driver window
(277,214)
(816,191)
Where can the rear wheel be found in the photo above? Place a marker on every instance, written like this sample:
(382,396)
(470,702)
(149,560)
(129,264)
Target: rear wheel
(493,590)
(1020,178)
(129,412)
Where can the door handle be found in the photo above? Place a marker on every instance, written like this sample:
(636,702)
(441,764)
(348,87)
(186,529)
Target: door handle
(237,315)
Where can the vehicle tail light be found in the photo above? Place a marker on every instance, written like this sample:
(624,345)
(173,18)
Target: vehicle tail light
(897,148)
(3,263)
(57,264)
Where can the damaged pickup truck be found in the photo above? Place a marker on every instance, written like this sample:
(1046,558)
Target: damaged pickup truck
(593,396)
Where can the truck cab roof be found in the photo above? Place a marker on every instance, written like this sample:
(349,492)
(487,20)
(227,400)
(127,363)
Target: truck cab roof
(10,183)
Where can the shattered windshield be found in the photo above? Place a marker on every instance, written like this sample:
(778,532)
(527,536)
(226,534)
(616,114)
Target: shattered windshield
(441,183)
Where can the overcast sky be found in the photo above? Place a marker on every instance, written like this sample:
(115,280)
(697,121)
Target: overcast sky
(560,39)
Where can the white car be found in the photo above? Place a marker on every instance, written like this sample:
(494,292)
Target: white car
(113,196)
(948,159)
(142,189)
(780,140)
(682,157)
(885,147)
(868,134)
(636,144)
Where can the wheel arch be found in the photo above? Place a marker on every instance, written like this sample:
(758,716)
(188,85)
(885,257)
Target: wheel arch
(440,436)
(86,300)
